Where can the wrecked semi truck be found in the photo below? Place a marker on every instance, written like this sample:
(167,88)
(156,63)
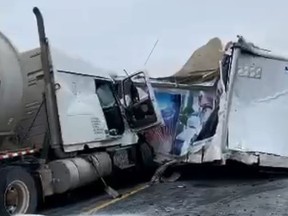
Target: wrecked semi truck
(225,104)
(62,126)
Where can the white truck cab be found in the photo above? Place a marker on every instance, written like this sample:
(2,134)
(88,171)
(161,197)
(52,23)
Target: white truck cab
(65,126)
(90,112)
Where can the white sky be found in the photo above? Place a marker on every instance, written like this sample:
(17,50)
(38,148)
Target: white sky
(117,34)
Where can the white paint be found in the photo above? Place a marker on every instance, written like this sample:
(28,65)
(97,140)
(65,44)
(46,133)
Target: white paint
(79,107)
(259,107)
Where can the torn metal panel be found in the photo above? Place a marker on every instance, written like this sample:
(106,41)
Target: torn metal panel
(257,51)
(207,150)
(218,143)
(195,157)
(202,66)
(243,157)
(184,113)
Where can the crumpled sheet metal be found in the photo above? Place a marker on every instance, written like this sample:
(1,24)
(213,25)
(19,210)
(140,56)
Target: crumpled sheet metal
(202,66)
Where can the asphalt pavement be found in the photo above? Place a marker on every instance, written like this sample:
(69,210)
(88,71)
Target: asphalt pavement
(200,191)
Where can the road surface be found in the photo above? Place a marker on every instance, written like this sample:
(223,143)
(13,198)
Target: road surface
(200,191)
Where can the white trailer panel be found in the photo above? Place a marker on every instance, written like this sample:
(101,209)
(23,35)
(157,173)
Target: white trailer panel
(259,105)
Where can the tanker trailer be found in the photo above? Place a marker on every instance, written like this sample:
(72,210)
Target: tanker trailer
(62,126)
(11,87)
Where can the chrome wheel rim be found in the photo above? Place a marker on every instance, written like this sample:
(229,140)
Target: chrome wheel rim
(16,198)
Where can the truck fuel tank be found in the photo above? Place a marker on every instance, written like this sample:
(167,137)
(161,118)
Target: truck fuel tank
(75,172)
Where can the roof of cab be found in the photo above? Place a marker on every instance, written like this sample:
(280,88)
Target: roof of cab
(62,61)
(65,62)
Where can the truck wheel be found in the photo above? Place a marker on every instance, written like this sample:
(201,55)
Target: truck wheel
(18,193)
(147,156)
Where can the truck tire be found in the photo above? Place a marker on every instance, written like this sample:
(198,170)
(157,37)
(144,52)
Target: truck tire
(147,156)
(18,193)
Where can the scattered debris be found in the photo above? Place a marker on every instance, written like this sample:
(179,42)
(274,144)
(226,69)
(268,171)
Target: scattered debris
(158,176)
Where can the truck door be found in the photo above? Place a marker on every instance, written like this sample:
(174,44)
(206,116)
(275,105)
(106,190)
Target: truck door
(140,103)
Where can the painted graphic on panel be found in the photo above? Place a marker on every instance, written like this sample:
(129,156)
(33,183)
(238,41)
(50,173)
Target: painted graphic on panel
(184,113)
(161,138)
(196,108)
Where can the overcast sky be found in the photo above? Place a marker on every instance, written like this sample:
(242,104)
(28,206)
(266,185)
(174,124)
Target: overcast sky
(117,34)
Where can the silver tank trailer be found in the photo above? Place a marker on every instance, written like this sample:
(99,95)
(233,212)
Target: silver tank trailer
(11,86)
